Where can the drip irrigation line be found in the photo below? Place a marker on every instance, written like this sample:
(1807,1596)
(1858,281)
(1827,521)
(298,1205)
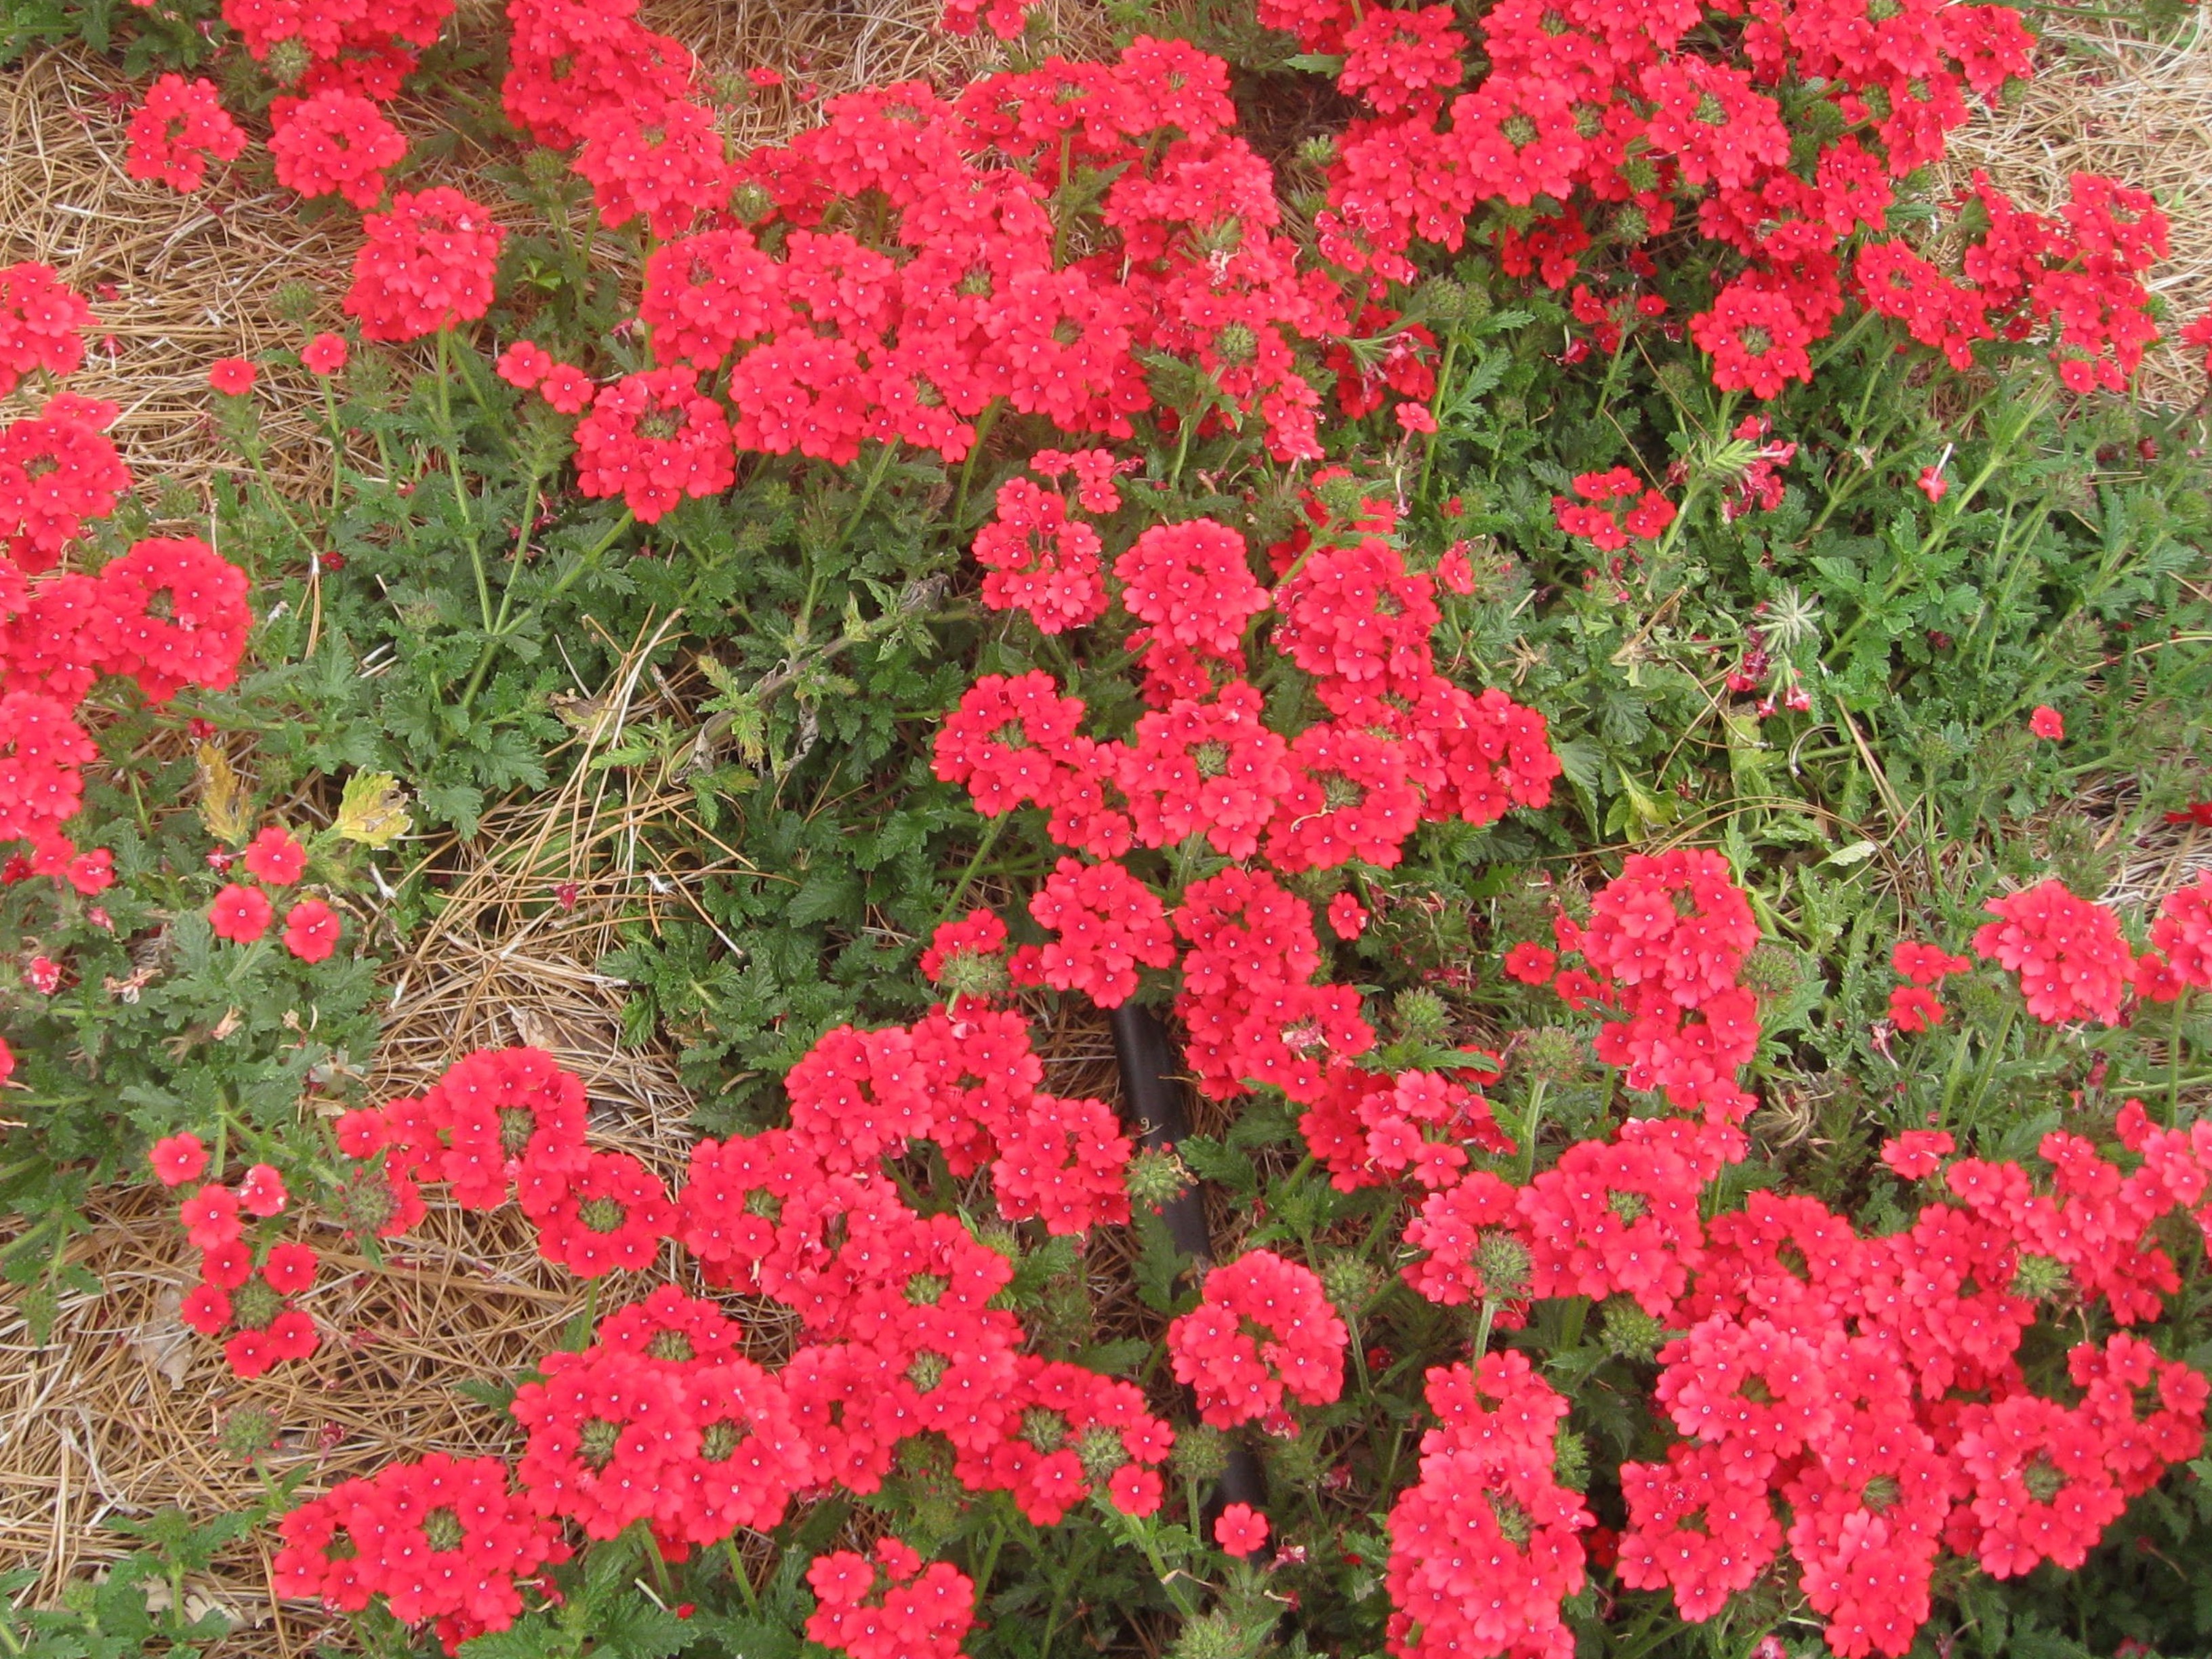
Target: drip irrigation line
(1153,1107)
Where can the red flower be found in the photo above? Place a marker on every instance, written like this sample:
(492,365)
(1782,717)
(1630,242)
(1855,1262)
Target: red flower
(1925,964)
(611,1216)
(210,1217)
(1529,962)
(1263,1331)
(2072,961)
(566,387)
(262,1193)
(324,355)
(1933,484)
(1040,560)
(1915,1010)
(1240,1529)
(206,1309)
(1347,916)
(523,364)
(666,160)
(2182,930)
(2047,722)
(275,857)
(41,321)
(290,1268)
(1105,926)
(311,930)
(891,1608)
(1063,1161)
(58,473)
(1918,1153)
(232,376)
(1192,583)
(241,914)
(653,439)
(179,1159)
(172,614)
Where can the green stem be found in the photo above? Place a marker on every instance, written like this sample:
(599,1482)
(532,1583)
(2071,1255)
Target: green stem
(337,438)
(499,630)
(991,834)
(1436,412)
(2173,1064)
(1924,556)
(1183,425)
(1482,1329)
(1526,1156)
(744,1578)
(868,491)
(449,442)
(983,423)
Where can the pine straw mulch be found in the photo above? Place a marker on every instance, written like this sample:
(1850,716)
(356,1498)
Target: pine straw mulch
(119,1414)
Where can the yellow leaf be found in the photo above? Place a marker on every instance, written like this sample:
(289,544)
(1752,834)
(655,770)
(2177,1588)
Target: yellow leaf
(222,797)
(372,810)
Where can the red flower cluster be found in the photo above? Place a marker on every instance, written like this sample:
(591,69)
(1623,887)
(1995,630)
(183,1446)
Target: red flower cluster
(58,473)
(1485,1545)
(1106,925)
(236,1292)
(2072,961)
(167,613)
(665,161)
(1263,1331)
(1040,559)
(444,1539)
(241,913)
(653,439)
(1870,1385)
(1616,508)
(2180,953)
(41,322)
(366,46)
(892,1607)
(336,142)
(426,263)
(1666,940)
(1403,745)
(177,129)
(661,1421)
(1608,129)
(1913,1005)
(966,297)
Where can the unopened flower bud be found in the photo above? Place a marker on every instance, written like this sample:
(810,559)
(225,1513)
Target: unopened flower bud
(1154,1177)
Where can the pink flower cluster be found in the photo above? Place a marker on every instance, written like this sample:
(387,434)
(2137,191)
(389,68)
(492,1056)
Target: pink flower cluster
(1401,745)
(1263,1333)
(969,295)
(662,1420)
(179,127)
(167,613)
(1571,138)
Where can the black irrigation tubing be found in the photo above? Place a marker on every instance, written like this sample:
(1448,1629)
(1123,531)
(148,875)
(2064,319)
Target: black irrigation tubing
(1152,1107)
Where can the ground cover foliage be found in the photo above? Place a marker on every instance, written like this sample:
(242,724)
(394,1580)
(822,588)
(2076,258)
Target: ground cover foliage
(1629,681)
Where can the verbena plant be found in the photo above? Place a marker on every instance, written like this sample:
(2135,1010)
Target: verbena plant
(1592,648)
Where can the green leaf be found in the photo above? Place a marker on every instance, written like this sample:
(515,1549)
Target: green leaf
(831,890)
